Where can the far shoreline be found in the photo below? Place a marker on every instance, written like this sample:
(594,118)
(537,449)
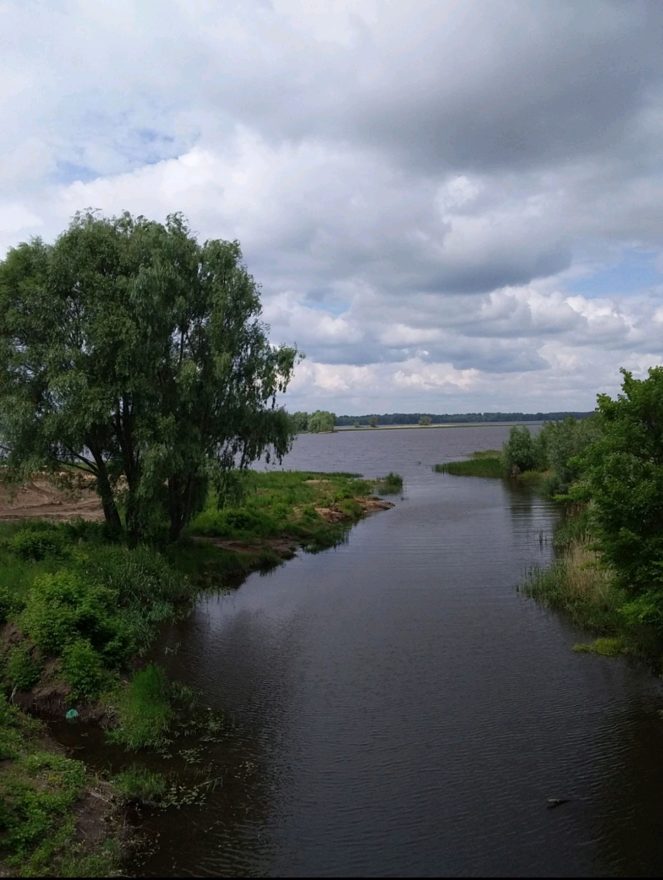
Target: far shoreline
(350,428)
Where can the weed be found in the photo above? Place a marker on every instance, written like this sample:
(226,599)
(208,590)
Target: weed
(144,710)
(483,464)
(23,669)
(392,484)
(607,646)
(140,784)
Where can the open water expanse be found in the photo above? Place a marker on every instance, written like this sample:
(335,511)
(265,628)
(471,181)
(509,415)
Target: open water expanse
(399,708)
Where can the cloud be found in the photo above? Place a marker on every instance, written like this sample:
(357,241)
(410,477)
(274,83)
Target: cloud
(446,203)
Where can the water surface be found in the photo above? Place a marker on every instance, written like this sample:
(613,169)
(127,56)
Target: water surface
(398,708)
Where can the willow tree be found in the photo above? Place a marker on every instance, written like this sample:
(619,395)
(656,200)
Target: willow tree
(132,351)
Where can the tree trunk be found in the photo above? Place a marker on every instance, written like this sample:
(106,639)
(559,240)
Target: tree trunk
(176,511)
(105,490)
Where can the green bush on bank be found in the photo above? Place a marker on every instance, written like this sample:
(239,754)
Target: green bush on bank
(83,670)
(23,669)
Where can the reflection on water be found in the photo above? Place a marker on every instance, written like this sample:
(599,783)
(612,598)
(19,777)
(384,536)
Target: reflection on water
(397,707)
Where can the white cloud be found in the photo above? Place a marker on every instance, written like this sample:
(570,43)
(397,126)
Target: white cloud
(416,186)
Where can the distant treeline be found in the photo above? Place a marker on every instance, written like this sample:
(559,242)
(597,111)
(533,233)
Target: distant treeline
(431,419)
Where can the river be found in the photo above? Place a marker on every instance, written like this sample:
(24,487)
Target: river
(399,708)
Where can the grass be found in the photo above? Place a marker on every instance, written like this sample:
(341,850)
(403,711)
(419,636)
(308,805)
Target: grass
(485,463)
(287,504)
(392,484)
(141,784)
(39,793)
(582,586)
(143,710)
(607,646)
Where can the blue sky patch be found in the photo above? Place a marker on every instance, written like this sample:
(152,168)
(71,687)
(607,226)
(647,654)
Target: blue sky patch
(635,272)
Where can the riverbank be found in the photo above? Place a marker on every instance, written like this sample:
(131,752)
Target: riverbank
(77,617)
(579,583)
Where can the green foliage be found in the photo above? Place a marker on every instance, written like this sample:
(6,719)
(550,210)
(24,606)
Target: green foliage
(39,795)
(62,607)
(520,451)
(37,540)
(110,599)
(606,646)
(579,584)
(392,484)
(299,422)
(559,449)
(131,350)
(23,669)
(623,475)
(140,784)
(321,421)
(140,576)
(642,619)
(83,669)
(486,463)
(144,710)
(285,504)
(9,602)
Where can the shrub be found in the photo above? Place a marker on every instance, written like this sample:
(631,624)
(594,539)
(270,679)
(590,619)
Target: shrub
(643,620)
(62,607)
(83,669)
(23,670)
(9,603)
(38,541)
(520,451)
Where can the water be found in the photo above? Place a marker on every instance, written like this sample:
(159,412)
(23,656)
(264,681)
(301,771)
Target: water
(398,708)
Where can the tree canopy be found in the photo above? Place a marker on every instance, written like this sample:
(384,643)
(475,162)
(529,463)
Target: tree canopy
(315,422)
(623,476)
(134,352)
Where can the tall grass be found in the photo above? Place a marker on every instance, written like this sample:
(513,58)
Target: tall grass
(485,463)
(143,710)
(392,484)
(582,586)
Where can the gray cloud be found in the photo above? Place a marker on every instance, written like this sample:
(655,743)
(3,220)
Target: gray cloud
(415,185)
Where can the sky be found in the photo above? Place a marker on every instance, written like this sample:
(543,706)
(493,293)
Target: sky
(450,206)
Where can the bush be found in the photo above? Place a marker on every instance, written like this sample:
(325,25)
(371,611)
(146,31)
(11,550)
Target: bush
(23,670)
(62,608)
(643,621)
(37,541)
(9,603)
(520,451)
(83,669)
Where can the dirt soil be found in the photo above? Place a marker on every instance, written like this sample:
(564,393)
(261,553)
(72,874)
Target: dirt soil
(41,499)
